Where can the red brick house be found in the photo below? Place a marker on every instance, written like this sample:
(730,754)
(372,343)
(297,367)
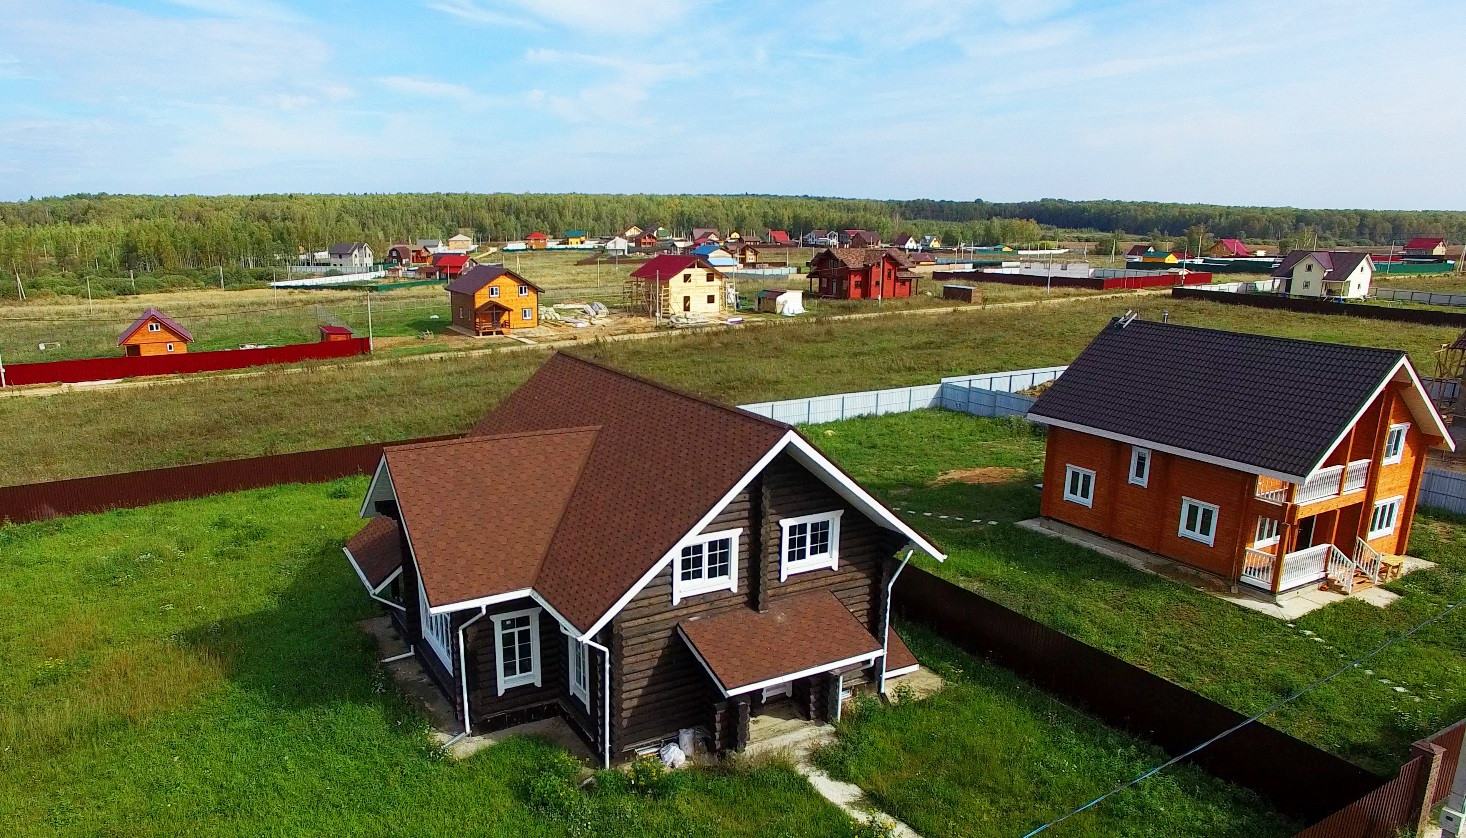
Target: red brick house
(1273,463)
(635,560)
(857,273)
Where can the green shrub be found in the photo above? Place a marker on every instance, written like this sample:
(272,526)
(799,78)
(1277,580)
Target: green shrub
(876,826)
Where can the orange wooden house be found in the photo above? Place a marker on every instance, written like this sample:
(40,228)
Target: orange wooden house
(493,300)
(1273,463)
(154,333)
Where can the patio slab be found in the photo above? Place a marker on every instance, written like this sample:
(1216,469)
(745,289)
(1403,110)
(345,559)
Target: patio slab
(1290,606)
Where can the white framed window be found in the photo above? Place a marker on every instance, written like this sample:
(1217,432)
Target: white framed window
(170,347)
(517,648)
(524,290)
(1198,521)
(527,313)
(710,563)
(1267,532)
(493,290)
(1386,515)
(810,542)
(154,326)
(437,629)
(1079,485)
(578,669)
(1395,443)
(1139,465)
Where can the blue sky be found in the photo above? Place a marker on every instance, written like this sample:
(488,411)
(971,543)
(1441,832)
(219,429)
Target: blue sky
(1305,103)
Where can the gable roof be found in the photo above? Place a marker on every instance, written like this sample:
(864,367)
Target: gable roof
(594,477)
(153,314)
(857,258)
(574,234)
(668,265)
(1424,243)
(779,236)
(1137,250)
(450,260)
(346,248)
(1233,246)
(375,552)
(1337,264)
(902,239)
(476,277)
(1265,405)
(536,236)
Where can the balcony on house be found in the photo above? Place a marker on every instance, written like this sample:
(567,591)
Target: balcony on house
(1279,574)
(1325,484)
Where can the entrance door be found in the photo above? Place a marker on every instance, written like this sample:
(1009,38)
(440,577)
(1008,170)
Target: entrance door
(1305,533)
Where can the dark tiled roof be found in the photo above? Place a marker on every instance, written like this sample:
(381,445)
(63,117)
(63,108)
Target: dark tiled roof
(376,550)
(662,460)
(1271,404)
(346,248)
(153,314)
(743,647)
(475,278)
(1337,264)
(481,512)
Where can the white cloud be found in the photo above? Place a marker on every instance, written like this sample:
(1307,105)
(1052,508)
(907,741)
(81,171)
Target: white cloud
(625,16)
(427,88)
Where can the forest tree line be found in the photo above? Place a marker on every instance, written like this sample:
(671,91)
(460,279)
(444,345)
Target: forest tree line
(114,234)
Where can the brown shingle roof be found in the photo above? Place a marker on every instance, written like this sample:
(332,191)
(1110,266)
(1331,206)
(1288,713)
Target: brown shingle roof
(376,550)
(898,654)
(481,512)
(476,277)
(857,258)
(662,460)
(743,648)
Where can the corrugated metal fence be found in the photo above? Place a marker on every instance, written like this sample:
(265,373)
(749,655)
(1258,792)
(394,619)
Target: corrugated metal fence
(1406,295)
(984,394)
(1441,489)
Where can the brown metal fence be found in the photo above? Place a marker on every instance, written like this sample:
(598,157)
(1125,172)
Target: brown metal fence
(1298,779)
(39,501)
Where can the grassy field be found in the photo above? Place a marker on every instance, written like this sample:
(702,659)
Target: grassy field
(991,755)
(954,464)
(214,418)
(196,668)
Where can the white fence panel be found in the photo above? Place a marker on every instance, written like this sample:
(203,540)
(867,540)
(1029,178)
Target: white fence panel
(1011,381)
(1426,297)
(1441,489)
(988,394)
(317,281)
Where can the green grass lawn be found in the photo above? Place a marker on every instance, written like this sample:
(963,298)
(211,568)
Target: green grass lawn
(196,668)
(991,755)
(82,433)
(1240,658)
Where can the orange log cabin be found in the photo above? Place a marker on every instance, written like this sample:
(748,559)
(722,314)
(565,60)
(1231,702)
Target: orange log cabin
(154,333)
(1273,463)
(493,300)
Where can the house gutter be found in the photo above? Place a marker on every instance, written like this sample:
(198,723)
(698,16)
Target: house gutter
(605,701)
(886,629)
(463,674)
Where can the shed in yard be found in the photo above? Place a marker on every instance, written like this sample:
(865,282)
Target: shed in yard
(154,333)
(786,301)
(332,334)
(962,293)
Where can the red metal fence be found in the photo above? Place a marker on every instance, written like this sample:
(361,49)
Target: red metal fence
(1338,798)
(107,369)
(40,501)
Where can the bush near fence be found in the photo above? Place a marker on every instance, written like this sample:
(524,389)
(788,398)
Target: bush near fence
(1423,317)
(107,369)
(1339,799)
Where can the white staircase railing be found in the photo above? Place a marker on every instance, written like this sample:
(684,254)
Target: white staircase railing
(1258,569)
(1341,569)
(1367,559)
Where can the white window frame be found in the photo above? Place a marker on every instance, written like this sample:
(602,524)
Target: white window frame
(1399,443)
(436,629)
(1136,452)
(493,291)
(1082,500)
(829,560)
(1209,539)
(521,679)
(577,668)
(526,314)
(682,589)
(1394,504)
(1268,532)
(155,326)
(170,347)
(524,290)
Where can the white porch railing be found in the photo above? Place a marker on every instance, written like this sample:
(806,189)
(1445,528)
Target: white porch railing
(1341,569)
(1304,566)
(1278,495)
(1367,559)
(1258,569)
(1320,485)
(1355,476)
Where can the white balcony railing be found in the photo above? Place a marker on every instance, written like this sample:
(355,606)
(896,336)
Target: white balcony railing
(1321,485)
(1258,569)
(1356,476)
(1304,566)
(1278,495)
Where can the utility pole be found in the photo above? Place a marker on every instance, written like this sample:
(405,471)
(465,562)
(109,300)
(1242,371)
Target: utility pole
(89,295)
(2,371)
(221,277)
(132,277)
(369,319)
(19,289)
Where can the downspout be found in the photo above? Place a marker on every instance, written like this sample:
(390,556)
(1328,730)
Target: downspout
(605,700)
(886,629)
(463,674)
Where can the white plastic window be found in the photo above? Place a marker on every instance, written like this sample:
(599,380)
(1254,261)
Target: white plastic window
(705,565)
(810,542)
(517,648)
(1198,521)
(1079,485)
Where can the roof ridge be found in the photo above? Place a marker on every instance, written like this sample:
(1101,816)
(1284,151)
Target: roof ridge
(438,443)
(711,402)
(1259,336)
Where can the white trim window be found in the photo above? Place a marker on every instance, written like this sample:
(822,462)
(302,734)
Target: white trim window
(1140,466)
(1198,521)
(155,326)
(1395,443)
(517,648)
(493,291)
(578,668)
(706,564)
(526,314)
(810,542)
(437,629)
(1267,532)
(1386,514)
(1079,485)
(524,290)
